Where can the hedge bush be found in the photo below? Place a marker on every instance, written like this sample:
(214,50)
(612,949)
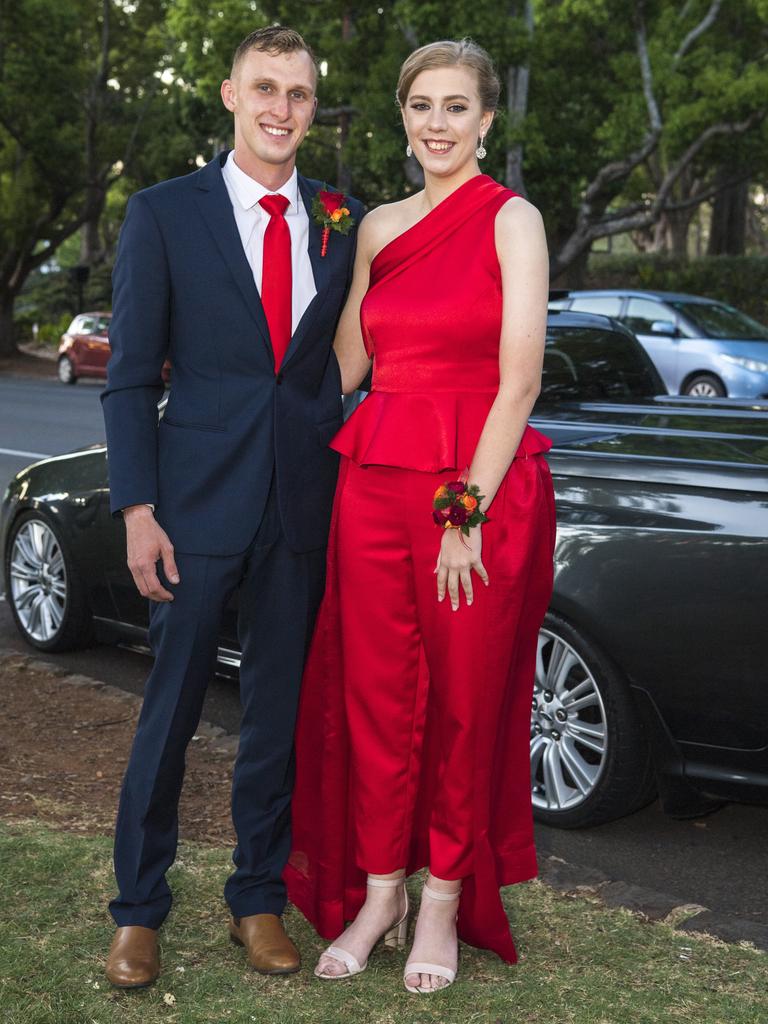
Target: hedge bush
(741,281)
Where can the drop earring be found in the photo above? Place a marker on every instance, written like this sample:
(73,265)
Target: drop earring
(481,151)
(408,150)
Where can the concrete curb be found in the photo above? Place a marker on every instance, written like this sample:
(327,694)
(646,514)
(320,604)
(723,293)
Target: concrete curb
(555,872)
(651,904)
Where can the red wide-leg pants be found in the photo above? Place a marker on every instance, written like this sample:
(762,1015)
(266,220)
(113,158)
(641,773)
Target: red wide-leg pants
(413,739)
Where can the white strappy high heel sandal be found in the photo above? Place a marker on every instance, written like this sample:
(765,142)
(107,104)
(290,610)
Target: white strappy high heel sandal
(394,937)
(439,970)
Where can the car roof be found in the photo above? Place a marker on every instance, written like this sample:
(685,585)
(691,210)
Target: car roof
(634,293)
(93,312)
(566,318)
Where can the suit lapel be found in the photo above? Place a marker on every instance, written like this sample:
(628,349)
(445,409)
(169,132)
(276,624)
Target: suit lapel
(320,264)
(216,208)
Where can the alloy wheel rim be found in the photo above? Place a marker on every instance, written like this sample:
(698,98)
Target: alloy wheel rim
(703,390)
(38,579)
(569,739)
(65,370)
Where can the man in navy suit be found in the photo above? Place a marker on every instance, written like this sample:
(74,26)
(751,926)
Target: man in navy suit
(221,271)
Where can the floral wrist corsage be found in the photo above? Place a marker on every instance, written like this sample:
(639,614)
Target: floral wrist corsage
(331,214)
(457,507)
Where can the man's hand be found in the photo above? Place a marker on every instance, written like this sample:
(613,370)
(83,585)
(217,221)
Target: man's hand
(147,545)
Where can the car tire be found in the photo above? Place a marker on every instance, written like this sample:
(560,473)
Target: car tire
(38,558)
(589,764)
(704,385)
(66,371)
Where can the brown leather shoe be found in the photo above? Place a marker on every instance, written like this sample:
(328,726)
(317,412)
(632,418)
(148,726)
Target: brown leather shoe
(269,949)
(133,960)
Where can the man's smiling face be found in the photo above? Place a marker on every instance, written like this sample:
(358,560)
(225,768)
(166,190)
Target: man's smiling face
(273,99)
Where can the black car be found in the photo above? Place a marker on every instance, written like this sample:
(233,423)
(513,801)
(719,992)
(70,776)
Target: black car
(651,666)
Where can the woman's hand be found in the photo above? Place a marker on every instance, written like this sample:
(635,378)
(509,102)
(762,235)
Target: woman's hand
(459,555)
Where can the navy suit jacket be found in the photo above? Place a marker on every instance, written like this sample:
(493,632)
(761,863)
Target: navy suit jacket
(183,290)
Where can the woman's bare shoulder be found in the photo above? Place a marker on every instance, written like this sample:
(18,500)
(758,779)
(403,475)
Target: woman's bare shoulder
(519,229)
(384,223)
(516,213)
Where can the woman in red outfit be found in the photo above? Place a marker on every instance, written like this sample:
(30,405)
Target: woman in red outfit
(413,734)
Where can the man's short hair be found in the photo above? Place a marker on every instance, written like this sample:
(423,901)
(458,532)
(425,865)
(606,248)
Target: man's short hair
(273,39)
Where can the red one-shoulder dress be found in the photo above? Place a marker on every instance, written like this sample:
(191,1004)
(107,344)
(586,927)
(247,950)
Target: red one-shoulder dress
(412,744)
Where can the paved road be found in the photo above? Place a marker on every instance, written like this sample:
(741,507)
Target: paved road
(718,860)
(41,417)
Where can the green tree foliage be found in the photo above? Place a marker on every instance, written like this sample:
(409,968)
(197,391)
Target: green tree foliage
(617,115)
(82,102)
(660,97)
(630,111)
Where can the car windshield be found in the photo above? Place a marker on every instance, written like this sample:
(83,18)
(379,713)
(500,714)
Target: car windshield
(716,320)
(587,364)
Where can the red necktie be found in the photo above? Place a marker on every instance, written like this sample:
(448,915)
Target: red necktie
(276,276)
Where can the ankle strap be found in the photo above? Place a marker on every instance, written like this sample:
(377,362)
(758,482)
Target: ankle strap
(435,895)
(386,883)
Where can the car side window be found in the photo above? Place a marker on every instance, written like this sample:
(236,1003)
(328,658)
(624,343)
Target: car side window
(87,325)
(584,364)
(103,325)
(641,313)
(606,305)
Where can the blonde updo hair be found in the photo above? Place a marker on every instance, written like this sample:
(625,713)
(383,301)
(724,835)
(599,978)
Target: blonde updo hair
(449,53)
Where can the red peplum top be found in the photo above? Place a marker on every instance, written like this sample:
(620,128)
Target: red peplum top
(432,320)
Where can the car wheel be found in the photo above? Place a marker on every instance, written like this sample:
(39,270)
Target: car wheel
(47,597)
(67,373)
(705,385)
(590,760)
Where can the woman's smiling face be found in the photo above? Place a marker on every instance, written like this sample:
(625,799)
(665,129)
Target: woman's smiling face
(444,118)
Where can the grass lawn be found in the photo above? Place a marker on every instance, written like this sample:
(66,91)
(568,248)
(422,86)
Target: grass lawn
(580,962)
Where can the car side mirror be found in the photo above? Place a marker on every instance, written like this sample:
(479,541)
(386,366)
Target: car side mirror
(664,327)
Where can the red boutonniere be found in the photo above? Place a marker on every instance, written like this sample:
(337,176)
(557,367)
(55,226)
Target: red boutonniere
(331,214)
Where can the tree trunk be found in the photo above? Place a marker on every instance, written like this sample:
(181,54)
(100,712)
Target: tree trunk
(518,82)
(678,223)
(574,275)
(8,345)
(727,233)
(91,245)
(91,250)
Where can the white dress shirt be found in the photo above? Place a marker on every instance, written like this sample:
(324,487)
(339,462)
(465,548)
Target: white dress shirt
(252,220)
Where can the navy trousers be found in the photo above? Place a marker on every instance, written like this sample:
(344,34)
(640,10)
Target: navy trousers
(279,593)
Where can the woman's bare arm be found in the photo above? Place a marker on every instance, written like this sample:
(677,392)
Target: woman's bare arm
(522,250)
(348,343)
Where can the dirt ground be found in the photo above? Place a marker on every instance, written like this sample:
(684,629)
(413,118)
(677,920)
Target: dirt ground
(64,744)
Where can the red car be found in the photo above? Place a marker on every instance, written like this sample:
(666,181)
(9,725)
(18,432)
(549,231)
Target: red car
(84,349)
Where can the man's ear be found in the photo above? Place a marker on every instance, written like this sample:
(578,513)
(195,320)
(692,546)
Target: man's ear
(228,95)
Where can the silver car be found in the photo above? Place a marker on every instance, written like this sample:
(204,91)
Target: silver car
(699,346)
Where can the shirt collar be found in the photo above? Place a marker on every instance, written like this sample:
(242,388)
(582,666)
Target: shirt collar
(248,191)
